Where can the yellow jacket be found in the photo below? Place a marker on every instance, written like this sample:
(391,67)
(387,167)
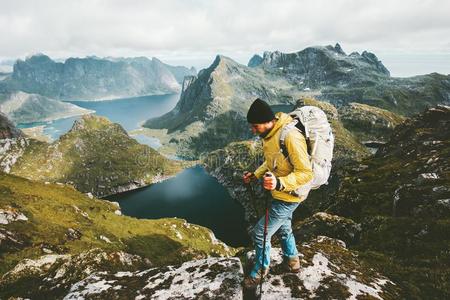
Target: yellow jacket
(291,176)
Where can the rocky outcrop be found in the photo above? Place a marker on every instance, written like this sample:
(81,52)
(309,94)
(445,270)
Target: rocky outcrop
(11,150)
(7,129)
(255,61)
(95,78)
(332,226)
(328,270)
(369,123)
(21,107)
(211,278)
(400,198)
(95,156)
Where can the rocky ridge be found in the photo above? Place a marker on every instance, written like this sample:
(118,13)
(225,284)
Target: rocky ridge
(95,78)
(212,107)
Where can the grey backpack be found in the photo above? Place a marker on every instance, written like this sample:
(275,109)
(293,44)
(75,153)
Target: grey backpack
(313,123)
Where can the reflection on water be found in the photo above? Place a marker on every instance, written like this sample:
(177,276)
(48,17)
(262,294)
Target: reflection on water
(192,195)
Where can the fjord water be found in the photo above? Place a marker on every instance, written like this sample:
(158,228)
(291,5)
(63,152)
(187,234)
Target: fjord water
(192,195)
(128,112)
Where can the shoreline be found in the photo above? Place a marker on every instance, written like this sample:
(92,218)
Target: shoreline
(118,97)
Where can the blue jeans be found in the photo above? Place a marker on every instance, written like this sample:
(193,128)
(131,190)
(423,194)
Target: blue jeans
(280,217)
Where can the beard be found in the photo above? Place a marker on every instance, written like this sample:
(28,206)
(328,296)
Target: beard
(264,134)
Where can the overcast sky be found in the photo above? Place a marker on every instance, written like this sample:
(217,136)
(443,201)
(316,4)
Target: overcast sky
(192,32)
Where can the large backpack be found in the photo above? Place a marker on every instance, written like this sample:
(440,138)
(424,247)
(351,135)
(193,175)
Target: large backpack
(312,122)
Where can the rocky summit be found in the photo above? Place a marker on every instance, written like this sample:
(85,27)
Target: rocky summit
(328,271)
(96,156)
(95,78)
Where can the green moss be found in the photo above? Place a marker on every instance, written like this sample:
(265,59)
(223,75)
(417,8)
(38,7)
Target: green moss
(405,229)
(53,209)
(95,156)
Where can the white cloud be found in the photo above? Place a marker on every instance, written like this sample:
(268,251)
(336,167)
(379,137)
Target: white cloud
(199,29)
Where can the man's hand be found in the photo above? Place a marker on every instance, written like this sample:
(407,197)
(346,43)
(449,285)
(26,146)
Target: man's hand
(248,176)
(270,181)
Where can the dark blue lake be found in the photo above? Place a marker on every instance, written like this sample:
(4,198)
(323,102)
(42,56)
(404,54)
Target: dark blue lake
(192,195)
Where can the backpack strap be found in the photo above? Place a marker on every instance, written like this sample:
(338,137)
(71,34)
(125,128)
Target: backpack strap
(284,132)
(295,124)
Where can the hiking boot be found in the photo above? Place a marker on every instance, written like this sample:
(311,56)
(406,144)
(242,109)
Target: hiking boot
(252,282)
(293,264)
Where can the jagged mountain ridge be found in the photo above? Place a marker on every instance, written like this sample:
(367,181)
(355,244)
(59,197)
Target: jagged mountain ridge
(94,78)
(210,112)
(212,107)
(95,156)
(319,66)
(215,91)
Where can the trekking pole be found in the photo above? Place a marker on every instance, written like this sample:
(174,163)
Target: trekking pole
(265,240)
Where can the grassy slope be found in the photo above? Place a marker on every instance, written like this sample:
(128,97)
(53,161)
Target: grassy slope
(51,210)
(95,156)
(369,122)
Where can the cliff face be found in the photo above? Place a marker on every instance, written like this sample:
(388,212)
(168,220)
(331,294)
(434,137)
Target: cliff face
(7,128)
(95,156)
(95,78)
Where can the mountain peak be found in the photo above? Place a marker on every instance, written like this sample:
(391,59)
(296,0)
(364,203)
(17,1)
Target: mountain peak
(38,58)
(255,61)
(222,59)
(91,121)
(338,49)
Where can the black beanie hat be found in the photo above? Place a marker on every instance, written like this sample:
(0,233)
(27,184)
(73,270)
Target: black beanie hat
(259,112)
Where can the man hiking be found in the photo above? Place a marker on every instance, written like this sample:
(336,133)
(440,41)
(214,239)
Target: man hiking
(282,175)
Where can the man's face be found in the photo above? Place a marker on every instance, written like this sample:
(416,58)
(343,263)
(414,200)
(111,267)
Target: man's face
(261,129)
